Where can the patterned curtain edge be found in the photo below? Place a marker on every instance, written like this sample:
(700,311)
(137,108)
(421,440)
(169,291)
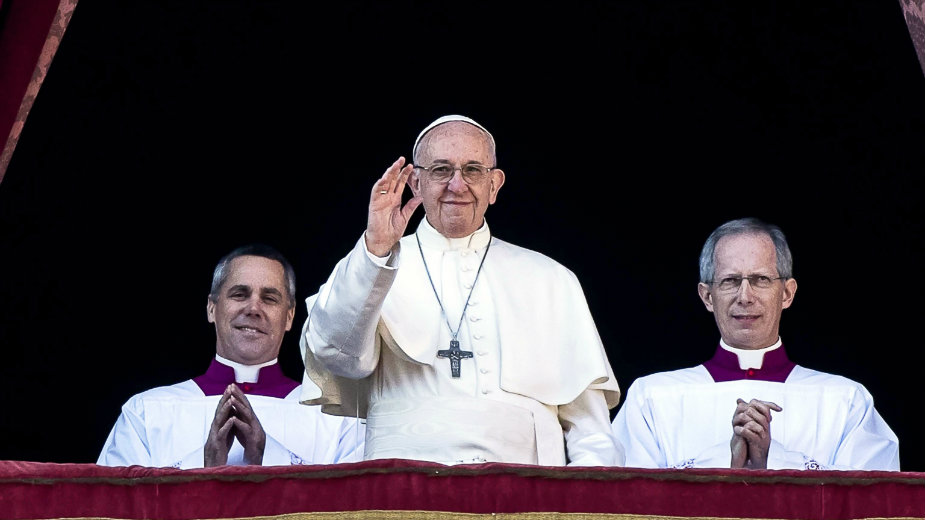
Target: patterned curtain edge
(914,14)
(52,41)
(446,515)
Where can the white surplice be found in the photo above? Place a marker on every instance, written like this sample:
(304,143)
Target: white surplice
(682,419)
(168,427)
(537,389)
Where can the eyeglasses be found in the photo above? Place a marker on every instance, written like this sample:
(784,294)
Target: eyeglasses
(755,281)
(472,173)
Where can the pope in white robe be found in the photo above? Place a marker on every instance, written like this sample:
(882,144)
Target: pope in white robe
(531,383)
(168,426)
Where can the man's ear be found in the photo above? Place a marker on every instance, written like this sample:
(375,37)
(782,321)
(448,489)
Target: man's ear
(705,295)
(497,180)
(289,317)
(210,310)
(414,182)
(790,290)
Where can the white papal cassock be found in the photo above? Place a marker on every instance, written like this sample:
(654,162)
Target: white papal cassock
(168,426)
(683,418)
(537,389)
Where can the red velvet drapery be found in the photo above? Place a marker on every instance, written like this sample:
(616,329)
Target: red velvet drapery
(407,488)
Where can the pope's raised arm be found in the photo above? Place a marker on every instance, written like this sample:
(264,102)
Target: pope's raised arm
(387,218)
(340,332)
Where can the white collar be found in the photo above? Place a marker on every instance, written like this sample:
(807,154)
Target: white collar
(432,239)
(750,358)
(244,373)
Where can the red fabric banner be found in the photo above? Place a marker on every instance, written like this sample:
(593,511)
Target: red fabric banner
(42,490)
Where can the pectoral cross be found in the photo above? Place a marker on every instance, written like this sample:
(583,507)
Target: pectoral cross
(455,354)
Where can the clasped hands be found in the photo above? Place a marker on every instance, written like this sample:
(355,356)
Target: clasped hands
(234,419)
(751,433)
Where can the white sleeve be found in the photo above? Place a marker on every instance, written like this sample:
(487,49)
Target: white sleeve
(589,440)
(779,457)
(127,443)
(635,430)
(331,439)
(276,454)
(351,440)
(867,443)
(342,320)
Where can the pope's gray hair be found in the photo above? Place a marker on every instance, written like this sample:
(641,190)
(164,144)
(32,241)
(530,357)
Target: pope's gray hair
(746,226)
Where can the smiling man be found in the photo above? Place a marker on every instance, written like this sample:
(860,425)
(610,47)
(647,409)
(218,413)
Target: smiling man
(720,413)
(457,346)
(243,410)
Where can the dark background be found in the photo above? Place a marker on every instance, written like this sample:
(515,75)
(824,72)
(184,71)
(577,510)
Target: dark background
(168,133)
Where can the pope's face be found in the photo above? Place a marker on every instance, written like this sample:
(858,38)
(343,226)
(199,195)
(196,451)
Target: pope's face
(747,317)
(455,209)
(251,312)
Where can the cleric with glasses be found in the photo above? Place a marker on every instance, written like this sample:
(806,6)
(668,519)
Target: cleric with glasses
(719,413)
(755,281)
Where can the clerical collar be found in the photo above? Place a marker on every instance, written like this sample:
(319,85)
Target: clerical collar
(726,364)
(749,358)
(270,380)
(244,373)
(432,239)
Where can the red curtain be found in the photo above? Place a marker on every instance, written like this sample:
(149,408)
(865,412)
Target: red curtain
(30,31)
(368,489)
